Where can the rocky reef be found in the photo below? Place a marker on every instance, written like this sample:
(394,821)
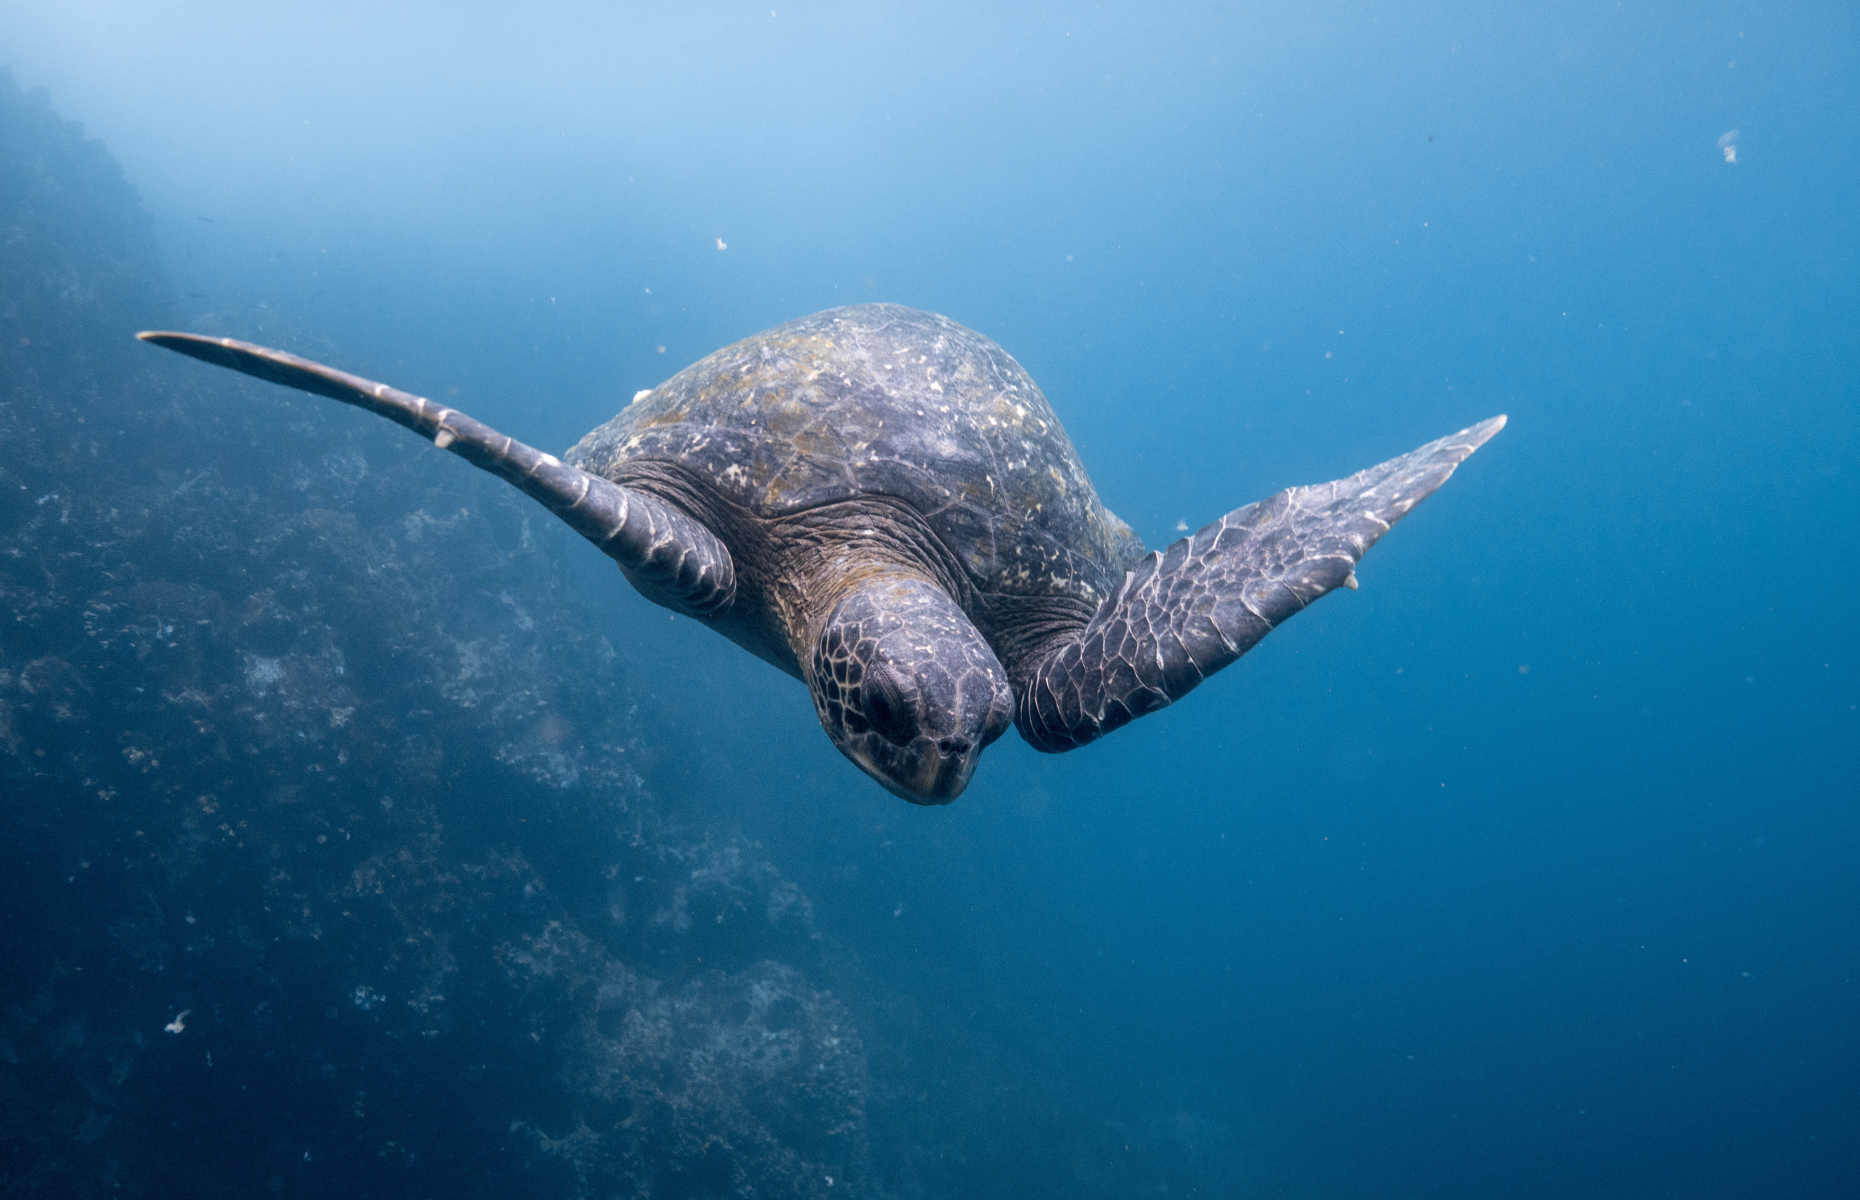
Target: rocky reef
(330,856)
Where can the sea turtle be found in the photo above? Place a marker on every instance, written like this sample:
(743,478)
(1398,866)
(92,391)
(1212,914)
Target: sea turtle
(880,502)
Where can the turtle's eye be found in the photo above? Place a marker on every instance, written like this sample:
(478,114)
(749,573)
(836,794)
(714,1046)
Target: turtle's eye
(885,709)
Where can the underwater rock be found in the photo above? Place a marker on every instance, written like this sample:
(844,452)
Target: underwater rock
(745,1083)
(74,240)
(304,889)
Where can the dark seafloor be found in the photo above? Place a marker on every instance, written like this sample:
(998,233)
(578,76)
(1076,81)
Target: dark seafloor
(476,951)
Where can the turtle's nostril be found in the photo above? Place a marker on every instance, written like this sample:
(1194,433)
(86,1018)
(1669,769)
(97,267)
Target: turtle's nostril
(953,745)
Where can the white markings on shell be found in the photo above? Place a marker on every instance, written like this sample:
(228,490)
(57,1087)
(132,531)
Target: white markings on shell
(953,425)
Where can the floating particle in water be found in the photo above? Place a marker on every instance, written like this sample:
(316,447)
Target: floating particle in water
(1727,144)
(179,1024)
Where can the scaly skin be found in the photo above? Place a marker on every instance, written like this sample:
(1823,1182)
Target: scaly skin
(669,557)
(1184,613)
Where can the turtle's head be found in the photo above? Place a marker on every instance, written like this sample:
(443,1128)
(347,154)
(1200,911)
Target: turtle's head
(907,688)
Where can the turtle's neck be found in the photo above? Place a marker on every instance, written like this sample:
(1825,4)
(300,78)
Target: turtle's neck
(824,554)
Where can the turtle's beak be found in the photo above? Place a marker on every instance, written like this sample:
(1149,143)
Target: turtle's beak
(941,780)
(937,779)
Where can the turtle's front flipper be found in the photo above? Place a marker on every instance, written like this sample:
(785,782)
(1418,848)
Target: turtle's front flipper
(1186,612)
(669,556)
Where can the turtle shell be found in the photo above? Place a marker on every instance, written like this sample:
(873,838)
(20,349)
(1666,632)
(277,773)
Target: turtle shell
(879,399)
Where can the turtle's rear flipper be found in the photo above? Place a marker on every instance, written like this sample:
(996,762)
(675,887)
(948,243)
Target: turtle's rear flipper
(665,552)
(1186,612)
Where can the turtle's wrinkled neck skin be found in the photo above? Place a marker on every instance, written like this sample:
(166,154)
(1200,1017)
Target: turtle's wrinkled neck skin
(869,607)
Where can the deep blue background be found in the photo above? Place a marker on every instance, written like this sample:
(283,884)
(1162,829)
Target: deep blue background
(1528,867)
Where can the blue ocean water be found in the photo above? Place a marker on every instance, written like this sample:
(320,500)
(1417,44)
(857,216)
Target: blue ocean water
(1529,867)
